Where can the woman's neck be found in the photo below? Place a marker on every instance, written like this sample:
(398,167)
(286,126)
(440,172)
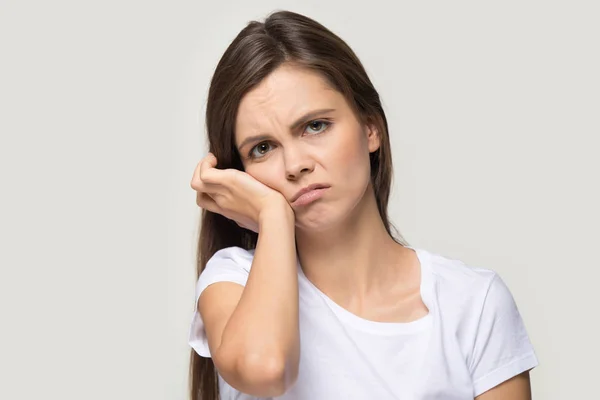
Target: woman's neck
(356,259)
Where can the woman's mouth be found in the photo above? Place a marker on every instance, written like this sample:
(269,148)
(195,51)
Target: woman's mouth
(309,195)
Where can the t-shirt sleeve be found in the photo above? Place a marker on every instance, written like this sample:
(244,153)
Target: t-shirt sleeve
(231,264)
(502,347)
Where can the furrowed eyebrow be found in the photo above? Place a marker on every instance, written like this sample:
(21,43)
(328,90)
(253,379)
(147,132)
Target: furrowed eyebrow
(253,139)
(308,116)
(300,121)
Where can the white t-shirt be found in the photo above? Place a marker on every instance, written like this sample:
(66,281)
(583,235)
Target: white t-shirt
(472,339)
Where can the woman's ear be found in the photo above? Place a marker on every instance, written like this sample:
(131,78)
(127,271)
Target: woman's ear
(373,139)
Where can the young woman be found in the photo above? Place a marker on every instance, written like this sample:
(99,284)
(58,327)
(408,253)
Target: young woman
(304,291)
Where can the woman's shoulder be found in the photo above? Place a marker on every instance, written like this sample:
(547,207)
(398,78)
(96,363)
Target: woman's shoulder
(481,317)
(232,255)
(230,264)
(471,299)
(466,288)
(455,274)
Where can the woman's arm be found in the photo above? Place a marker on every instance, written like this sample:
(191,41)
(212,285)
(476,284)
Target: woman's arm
(252,331)
(516,388)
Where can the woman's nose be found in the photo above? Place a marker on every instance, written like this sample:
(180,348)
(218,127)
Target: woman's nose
(297,163)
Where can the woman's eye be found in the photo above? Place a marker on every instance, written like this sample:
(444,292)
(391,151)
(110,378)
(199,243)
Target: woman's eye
(260,150)
(317,126)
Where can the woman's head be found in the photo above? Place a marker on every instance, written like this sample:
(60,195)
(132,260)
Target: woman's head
(272,74)
(295,130)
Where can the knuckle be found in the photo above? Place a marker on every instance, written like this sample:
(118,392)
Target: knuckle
(232,175)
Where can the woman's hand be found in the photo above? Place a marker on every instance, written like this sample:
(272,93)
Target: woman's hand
(234,194)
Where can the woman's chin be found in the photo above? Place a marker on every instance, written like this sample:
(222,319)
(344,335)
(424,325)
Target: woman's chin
(323,216)
(317,222)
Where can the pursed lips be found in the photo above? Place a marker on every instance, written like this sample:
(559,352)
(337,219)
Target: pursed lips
(309,194)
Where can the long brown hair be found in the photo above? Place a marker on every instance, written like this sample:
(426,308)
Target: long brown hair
(284,37)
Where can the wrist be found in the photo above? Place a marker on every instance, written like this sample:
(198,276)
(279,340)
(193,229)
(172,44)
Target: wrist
(277,210)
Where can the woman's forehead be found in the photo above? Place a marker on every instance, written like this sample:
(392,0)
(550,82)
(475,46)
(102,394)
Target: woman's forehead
(283,96)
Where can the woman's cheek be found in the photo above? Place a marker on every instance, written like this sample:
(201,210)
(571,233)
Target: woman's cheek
(268,174)
(349,156)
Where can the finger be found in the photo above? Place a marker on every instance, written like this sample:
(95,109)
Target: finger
(207,162)
(206,202)
(203,187)
(210,161)
(217,176)
(196,181)
(208,188)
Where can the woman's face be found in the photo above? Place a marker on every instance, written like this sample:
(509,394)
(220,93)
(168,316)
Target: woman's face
(293,131)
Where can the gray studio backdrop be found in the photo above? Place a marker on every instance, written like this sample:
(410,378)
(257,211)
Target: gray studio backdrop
(493,110)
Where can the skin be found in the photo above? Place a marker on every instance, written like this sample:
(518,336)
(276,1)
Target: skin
(516,388)
(342,243)
(340,239)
